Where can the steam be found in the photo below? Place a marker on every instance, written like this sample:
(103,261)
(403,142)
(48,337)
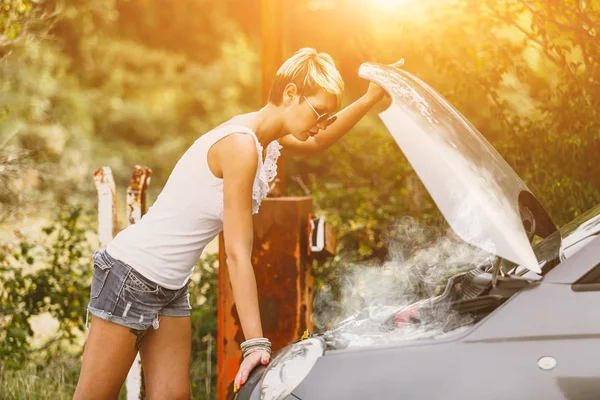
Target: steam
(406,296)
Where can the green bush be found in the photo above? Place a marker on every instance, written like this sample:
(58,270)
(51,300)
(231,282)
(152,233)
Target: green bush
(50,275)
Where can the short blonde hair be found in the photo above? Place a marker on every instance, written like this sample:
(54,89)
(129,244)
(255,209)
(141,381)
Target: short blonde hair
(310,71)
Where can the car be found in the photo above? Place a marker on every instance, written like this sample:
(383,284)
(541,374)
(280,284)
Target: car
(526,321)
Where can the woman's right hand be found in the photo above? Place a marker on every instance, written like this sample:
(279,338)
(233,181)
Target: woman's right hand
(249,363)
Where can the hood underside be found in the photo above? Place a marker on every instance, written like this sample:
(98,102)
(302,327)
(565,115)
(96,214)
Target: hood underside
(482,198)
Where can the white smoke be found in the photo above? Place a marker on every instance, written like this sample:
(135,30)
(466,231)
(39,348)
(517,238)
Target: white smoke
(421,261)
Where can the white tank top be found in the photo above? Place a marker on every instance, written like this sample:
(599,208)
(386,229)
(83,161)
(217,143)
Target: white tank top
(166,243)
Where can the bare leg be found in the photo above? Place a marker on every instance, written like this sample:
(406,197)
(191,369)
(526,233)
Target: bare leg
(109,352)
(166,356)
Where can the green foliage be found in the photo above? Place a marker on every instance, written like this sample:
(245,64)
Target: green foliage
(181,27)
(15,18)
(87,97)
(12,13)
(47,275)
(546,94)
(203,297)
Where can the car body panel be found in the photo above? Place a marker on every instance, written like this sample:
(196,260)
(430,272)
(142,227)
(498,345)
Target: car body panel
(494,370)
(580,231)
(569,240)
(577,265)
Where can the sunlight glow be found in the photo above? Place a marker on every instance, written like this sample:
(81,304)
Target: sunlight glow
(390,5)
(395,2)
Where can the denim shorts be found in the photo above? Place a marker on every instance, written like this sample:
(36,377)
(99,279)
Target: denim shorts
(122,295)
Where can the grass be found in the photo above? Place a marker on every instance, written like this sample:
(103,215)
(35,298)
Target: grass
(56,381)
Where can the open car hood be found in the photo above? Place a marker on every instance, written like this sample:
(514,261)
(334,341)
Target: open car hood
(482,198)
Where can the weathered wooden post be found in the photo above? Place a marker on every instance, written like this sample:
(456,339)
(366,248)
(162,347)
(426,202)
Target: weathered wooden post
(107,205)
(107,229)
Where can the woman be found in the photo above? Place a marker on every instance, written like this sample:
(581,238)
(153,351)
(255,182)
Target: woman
(142,277)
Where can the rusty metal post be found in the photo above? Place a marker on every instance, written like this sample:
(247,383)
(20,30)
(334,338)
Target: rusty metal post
(136,208)
(136,193)
(282,265)
(107,205)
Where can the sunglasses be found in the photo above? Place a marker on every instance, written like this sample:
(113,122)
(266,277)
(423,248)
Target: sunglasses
(325,117)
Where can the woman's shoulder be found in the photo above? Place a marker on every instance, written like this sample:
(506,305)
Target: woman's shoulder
(238,149)
(232,132)
(237,141)
(237,124)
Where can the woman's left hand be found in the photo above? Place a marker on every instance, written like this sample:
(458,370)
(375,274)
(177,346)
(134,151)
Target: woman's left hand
(375,92)
(249,363)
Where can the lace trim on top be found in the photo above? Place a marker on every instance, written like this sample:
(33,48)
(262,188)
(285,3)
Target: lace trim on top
(266,173)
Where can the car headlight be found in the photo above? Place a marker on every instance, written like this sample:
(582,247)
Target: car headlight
(289,369)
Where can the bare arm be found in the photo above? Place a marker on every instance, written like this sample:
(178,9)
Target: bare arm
(346,119)
(238,158)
